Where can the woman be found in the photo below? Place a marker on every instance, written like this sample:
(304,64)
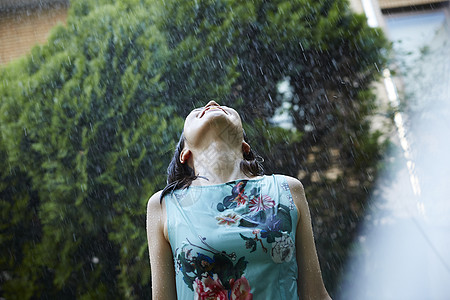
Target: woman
(221,229)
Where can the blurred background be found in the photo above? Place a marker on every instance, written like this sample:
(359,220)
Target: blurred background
(351,97)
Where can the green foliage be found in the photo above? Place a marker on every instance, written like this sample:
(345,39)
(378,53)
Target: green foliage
(199,37)
(86,131)
(89,121)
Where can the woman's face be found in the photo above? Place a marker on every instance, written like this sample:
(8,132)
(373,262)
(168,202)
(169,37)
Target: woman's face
(213,121)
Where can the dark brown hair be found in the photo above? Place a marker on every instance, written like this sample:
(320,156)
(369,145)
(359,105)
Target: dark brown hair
(180,176)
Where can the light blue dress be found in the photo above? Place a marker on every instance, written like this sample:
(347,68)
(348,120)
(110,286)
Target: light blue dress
(234,240)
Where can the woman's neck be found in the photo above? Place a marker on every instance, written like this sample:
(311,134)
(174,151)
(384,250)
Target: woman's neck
(217,163)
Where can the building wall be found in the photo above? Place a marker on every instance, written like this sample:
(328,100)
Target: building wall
(356,6)
(386,4)
(23,27)
(417,189)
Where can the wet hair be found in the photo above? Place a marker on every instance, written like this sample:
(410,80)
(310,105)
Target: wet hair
(180,176)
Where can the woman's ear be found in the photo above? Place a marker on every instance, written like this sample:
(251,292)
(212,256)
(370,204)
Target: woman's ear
(245,147)
(185,155)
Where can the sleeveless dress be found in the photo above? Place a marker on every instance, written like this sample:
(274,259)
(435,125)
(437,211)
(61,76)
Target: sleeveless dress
(234,240)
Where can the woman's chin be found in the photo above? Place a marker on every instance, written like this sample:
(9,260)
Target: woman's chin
(218,129)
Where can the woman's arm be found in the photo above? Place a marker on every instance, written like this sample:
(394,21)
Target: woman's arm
(161,260)
(310,283)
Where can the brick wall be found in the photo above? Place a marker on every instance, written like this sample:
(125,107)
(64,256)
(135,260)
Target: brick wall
(23,28)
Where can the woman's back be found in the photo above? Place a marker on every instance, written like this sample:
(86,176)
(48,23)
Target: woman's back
(234,240)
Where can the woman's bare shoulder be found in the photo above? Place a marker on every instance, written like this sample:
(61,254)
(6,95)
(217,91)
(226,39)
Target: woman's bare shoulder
(154,204)
(294,183)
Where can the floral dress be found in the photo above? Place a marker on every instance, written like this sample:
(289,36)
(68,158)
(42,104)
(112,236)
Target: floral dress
(234,240)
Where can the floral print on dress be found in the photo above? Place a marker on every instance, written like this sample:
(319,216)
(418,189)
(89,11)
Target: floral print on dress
(209,288)
(285,186)
(283,249)
(291,202)
(228,219)
(180,196)
(212,288)
(214,276)
(271,222)
(236,198)
(260,203)
(240,289)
